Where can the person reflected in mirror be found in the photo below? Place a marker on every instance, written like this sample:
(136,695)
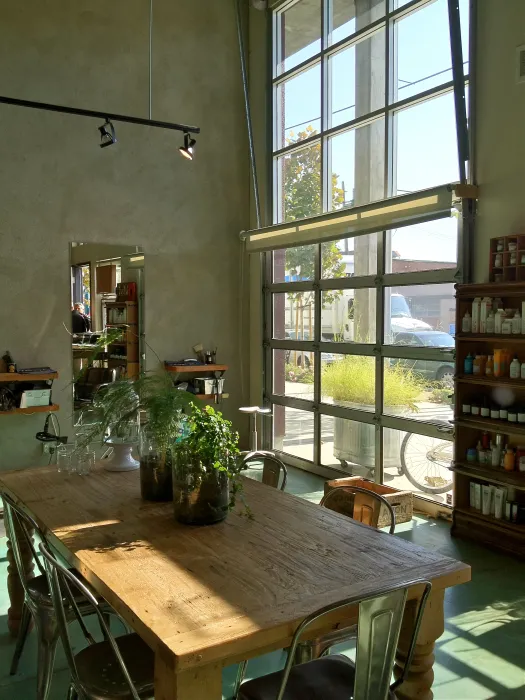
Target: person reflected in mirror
(80,322)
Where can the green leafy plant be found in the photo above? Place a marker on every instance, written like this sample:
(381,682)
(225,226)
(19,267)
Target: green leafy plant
(352,379)
(210,445)
(294,373)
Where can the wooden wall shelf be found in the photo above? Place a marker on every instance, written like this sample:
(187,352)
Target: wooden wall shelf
(195,369)
(32,409)
(209,397)
(17,377)
(493,474)
(491,381)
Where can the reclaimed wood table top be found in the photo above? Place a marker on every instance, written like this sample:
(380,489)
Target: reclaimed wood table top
(212,595)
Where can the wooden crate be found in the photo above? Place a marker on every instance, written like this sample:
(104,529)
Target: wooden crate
(401,501)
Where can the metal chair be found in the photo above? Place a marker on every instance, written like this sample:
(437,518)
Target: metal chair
(337,677)
(273,467)
(119,668)
(359,504)
(37,597)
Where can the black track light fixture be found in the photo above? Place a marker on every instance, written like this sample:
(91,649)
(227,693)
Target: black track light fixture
(187,149)
(107,135)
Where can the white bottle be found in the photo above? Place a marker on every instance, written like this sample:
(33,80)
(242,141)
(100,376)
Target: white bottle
(522,374)
(498,320)
(476,308)
(506,326)
(515,368)
(484,310)
(516,323)
(466,323)
(491,322)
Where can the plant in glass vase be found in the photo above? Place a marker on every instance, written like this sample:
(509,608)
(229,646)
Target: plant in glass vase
(206,479)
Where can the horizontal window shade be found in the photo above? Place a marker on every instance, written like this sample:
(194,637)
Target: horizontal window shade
(395,212)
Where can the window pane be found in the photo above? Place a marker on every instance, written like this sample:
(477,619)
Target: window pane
(343,20)
(349,315)
(348,444)
(357,79)
(298,108)
(348,380)
(294,264)
(418,463)
(293,316)
(350,257)
(357,165)
(418,389)
(426,145)
(299,34)
(298,184)
(293,431)
(293,374)
(421,315)
(429,246)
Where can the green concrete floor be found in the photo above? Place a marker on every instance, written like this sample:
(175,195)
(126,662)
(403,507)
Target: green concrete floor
(480,655)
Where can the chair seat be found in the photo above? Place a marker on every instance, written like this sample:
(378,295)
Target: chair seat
(38,588)
(328,678)
(101,677)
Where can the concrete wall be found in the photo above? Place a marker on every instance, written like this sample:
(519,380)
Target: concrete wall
(500,127)
(58,186)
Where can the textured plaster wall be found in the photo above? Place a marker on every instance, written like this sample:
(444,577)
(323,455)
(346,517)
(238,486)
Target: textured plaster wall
(500,131)
(58,186)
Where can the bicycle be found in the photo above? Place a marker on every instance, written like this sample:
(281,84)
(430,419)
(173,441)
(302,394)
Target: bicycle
(425,460)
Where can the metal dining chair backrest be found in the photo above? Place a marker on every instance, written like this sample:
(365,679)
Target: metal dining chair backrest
(20,527)
(380,618)
(61,580)
(273,469)
(359,504)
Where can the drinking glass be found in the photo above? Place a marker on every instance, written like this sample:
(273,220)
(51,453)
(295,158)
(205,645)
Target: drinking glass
(65,458)
(85,462)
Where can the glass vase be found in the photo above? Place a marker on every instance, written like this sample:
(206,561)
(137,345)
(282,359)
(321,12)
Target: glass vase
(155,469)
(201,493)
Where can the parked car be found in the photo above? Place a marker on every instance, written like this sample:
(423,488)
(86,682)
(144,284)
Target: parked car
(302,358)
(429,369)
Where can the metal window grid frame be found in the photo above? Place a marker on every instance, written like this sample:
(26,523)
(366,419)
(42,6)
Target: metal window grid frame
(380,280)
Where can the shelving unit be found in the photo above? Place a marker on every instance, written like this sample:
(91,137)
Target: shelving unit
(16,377)
(468,522)
(216,370)
(506,270)
(129,360)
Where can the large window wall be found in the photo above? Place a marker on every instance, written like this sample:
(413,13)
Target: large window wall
(359,332)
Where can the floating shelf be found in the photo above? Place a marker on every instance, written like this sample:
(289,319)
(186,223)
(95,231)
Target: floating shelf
(206,397)
(31,409)
(195,369)
(495,474)
(17,377)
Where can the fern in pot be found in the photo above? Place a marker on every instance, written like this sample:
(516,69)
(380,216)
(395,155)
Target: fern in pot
(206,468)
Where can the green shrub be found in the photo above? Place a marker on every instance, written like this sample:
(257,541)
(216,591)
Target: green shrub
(352,379)
(304,375)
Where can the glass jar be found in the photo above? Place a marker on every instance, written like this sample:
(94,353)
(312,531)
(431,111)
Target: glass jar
(201,493)
(155,468)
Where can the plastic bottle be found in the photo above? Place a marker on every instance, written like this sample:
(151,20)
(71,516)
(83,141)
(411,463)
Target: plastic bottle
(508,464)
(468,365)
(489,367)
(491,323)
(515,368)
(466,323)
(476,309)
(498,362)
(498,320)
(484,310)
(516,324)
(477,366)
(522,371)
(479,449)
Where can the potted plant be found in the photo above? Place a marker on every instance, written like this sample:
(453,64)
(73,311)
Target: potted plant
(206,468)
(118,407)
(351,382)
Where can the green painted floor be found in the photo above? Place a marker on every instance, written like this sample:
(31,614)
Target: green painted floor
(481,655)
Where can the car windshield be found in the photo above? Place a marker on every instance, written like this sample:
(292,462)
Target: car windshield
(441,340)
(399,307)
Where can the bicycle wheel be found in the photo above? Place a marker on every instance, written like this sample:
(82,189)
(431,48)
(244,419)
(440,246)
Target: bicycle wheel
(425,461)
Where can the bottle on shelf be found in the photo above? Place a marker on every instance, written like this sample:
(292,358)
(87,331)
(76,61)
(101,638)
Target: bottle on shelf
(515,368)
(476,308)
(477,367)
(506,326)
(509,459)
(468,365)
(489,367)
(516,323)
(484,310)
(498,320)
(491,323)
(10,365)
(466,323)
(522,370)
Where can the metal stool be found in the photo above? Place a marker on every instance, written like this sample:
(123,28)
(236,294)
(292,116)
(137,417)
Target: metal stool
(272,465)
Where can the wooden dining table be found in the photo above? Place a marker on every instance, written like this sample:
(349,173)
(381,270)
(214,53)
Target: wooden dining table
(207,597)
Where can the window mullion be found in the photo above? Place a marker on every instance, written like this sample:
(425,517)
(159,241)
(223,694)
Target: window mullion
(317,353)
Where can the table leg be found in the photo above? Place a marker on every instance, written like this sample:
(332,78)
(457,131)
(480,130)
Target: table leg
(14,584)
(202,683)
(418,682)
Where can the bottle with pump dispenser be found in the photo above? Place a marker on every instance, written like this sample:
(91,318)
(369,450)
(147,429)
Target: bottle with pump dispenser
(476,309)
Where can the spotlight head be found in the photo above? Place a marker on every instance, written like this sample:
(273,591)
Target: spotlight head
(107,136)
(187,149)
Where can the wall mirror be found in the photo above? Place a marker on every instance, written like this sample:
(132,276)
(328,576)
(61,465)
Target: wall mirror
(107,331)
